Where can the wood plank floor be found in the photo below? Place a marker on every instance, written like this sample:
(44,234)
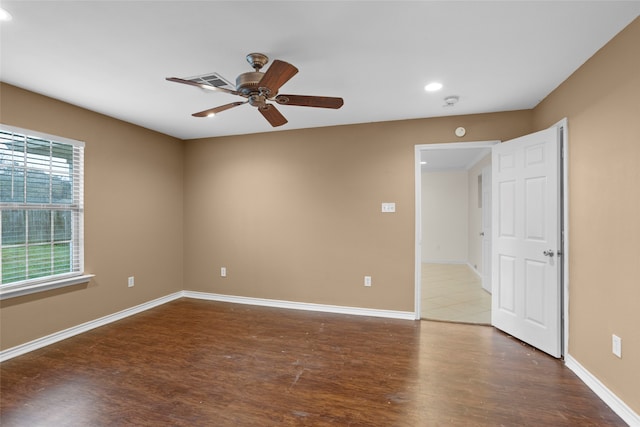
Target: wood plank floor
(203,363)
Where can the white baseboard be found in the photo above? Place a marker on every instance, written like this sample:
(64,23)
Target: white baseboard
(615,403)
(84,327)
(453,262)
(477,273)
(444,261)
(357,311)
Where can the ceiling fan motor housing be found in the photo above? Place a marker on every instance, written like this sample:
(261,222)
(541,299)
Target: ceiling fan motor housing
(248,83)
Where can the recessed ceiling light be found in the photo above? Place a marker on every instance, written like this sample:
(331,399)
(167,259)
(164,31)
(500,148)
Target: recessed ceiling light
(211,114)
(423,162)
(433,86)
(4,15)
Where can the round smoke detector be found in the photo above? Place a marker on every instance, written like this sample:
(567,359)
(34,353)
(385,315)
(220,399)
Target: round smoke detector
(450,101)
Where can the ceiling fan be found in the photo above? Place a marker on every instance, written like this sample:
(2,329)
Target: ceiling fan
(261,90)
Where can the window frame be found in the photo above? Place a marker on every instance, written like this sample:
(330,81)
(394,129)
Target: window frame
(76,207)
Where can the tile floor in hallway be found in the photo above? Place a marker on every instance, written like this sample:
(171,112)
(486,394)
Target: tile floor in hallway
(453,292)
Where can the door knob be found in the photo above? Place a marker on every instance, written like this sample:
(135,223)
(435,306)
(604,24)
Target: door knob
(548,253)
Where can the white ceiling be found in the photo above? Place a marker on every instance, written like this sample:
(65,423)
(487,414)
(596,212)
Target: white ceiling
(452,159)
(113,56)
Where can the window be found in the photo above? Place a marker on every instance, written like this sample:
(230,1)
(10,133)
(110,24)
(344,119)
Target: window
(41,211)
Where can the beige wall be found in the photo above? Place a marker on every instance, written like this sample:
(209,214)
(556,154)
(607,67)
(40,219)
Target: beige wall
(445,216)
(295,215)
(133,217)
(602,103)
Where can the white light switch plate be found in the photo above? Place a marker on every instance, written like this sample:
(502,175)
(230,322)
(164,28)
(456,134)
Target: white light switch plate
(388,207)
(616,342)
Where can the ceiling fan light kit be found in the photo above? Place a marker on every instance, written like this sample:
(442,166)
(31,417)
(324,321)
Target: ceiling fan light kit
(261,90)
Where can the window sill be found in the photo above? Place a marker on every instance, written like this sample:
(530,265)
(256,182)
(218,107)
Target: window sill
(18,291)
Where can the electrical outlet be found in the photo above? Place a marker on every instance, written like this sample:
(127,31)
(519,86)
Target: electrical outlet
(223,271)
(131,281)
(367,281)
(616,348)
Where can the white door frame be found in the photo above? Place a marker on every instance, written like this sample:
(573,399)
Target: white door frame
(418,203)
(563,130)
(486,236)
(564,139)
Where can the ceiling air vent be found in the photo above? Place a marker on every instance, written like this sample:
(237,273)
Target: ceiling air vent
(212,79)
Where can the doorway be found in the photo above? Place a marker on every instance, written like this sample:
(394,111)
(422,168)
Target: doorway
(524,291)
(454,196)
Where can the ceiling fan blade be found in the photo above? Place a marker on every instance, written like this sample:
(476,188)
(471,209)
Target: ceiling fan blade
(310,101)
(216,110)
(279,73)
(273,116)
(202,85)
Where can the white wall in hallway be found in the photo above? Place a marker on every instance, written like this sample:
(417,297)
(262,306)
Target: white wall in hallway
(445,198)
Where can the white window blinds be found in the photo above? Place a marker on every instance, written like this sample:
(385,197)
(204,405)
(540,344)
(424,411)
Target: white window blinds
(41,207)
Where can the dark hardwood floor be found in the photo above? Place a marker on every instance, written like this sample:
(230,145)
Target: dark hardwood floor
(202,363)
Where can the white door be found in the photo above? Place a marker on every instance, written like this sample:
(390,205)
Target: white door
(486,228)
(526,270)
